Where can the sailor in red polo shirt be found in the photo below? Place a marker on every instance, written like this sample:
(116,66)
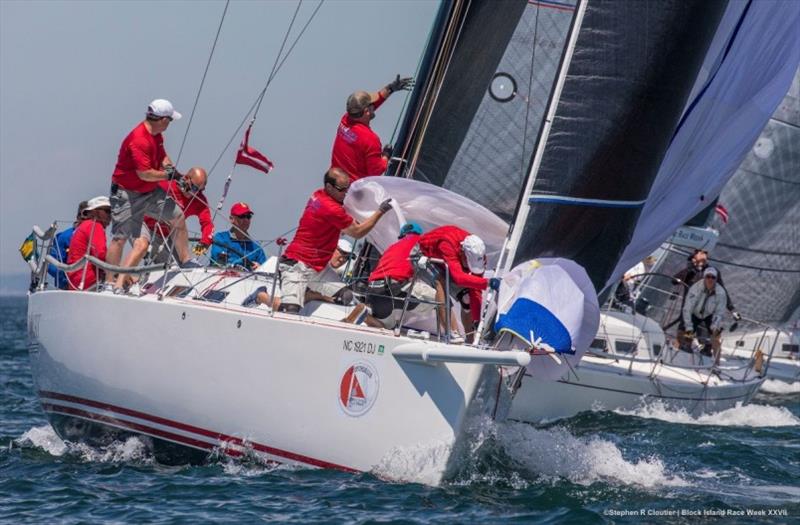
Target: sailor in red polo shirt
(390,281)
(89,238)
(188,195)
(357,149)
(323,221)
(465,257)
(141,164)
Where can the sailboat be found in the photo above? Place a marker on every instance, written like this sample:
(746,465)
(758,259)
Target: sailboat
(202,372)
(759,247)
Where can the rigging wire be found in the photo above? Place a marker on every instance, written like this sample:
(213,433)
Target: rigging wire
(263,91)
(529,98)
(202,82)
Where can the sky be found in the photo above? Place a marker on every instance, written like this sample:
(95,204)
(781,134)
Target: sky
(76,77)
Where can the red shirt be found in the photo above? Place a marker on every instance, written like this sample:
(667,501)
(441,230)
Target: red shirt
(357,149)
(140,151)
(318,232)
(80,245)
(395,263)
(192,206)
(444,243)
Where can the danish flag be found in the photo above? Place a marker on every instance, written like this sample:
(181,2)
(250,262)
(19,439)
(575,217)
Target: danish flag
(252,157)
(722,211)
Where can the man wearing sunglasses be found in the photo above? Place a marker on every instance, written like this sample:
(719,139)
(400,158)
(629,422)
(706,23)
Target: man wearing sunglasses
(356,148)
(235,247)
(323,221)
(142,163)
(187,192)
(704,307)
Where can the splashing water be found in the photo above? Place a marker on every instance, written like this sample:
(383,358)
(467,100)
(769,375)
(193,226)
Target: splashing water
(738,416)
(775,386)
(132,450)
(532,452)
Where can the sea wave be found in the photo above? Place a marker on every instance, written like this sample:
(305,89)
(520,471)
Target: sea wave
(776,386)
(517,453)
(130,450)
(739,416)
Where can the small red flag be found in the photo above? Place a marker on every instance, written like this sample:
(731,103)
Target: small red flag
(722,211)
(251,157)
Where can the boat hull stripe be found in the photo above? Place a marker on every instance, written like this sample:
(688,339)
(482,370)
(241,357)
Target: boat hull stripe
(224,438)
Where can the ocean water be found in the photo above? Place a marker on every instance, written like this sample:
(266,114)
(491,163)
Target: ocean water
(646,465)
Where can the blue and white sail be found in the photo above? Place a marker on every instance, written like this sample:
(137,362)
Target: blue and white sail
(549,307)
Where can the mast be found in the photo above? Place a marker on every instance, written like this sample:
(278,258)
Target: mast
(523,206)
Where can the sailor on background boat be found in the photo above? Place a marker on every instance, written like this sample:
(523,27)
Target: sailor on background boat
(323,221)
(356,148)
(141,164)
(234,247)
(187,192)
(704,307)
(465,257)
(89,238)
(60,248)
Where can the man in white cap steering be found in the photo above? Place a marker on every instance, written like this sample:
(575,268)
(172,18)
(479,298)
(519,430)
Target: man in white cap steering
(142,163)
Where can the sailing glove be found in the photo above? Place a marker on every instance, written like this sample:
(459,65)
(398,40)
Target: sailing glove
(736,315)
(400,84)
(199,249)
(385,205)
(494,283)
(171,172)
(387,151)
(422,262)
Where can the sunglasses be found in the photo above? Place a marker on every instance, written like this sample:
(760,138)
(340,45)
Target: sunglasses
(711,277)
(337,188)
(247,216)
(194,188)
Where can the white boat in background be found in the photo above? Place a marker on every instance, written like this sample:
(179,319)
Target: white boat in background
(784,345)
(631,363)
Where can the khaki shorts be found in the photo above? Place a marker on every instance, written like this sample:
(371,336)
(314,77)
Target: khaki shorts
(296,278)
(128,209)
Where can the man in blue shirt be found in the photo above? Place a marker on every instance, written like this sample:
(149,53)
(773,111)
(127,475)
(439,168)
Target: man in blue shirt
(235,247)
(60,249)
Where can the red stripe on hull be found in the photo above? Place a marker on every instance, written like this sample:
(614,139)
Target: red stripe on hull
(224,438)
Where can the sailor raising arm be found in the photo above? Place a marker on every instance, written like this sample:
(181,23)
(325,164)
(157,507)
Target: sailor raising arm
(357,149)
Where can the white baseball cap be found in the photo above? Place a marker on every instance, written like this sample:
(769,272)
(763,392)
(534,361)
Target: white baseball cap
(710,271)
(98,202)
(475,250)
(162,108)
(345,246)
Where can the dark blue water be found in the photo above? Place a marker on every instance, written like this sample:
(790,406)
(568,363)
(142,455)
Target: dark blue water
(592,468)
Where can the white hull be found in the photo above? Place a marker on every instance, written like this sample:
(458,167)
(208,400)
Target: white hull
(601,384)
(784,365)
(208,377)
(634,364)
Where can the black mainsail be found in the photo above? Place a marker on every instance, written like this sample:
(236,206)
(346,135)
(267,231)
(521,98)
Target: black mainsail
(628,78)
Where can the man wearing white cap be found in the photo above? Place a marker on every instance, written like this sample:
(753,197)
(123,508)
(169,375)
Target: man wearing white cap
(705,306)
(89,238)
(142,163)
(465,257)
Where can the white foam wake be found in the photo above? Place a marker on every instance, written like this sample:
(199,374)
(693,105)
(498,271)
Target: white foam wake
(555,452)
(776,386)
(552,453)
(45,438)
(738,416)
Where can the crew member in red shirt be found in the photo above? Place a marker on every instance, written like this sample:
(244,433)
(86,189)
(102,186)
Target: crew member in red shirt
(323,221)
(141,164)
(465,257)
(89,238)
(357,149)
(188,195)
(390,281)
